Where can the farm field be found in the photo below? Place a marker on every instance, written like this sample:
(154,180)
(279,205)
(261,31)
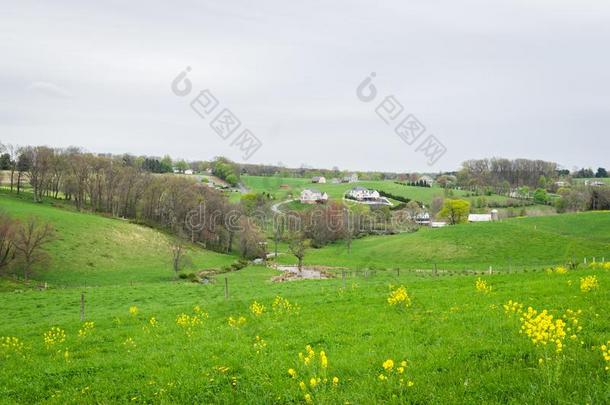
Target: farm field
(582,180)
(518,243)
(458,343)
(273,185)
(148,338)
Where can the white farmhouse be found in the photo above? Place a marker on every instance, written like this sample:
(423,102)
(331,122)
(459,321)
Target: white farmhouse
(352,178)
(361,194)
(483,217)
(310,196)
(594,183)
(318,179)
(426,180)
(479,217)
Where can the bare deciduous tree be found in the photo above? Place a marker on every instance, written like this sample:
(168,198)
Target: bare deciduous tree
(7,236)
(298,246)
(180,257)
(30,240)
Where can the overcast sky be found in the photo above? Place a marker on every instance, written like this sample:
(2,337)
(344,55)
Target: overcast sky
(512,79)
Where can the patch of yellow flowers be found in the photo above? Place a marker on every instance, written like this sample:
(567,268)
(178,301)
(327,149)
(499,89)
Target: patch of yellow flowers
(557,270)
(259,344)
(606,353)
(11,345)
(600,265)
(257,309)
(512,307)
(588,284)
(314,371)
(189,323)
(86,329)
(133,310)
(399,297)
(543,329)
(54,336)
(572,323)
(202,314)
(281,306)
(391,371)
(237,322)
(129,344)
(482,286)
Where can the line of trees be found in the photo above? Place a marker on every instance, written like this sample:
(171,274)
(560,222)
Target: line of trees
(116,185)
(588,173)
(504,174)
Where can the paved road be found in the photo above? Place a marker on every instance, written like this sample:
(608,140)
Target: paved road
(276,207)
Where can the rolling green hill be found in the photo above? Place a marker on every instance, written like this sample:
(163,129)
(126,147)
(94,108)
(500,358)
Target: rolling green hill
(94,250)
(532,241)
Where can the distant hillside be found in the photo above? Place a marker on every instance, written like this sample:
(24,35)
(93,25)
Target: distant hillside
(95,250)
(521,242)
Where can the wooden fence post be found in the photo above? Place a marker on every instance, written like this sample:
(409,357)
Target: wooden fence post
(82,307)
(226,288)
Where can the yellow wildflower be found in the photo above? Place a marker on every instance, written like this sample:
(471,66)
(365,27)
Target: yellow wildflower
(86,329)
(588,284)
(482,286)
(54,337)
(399,297)
(257,309)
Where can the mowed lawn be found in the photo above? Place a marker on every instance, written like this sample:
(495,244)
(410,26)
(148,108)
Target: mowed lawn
(93,250)
(459,345)
(516,243)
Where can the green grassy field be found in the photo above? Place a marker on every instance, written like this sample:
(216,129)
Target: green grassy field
(176,344)
(282,188)
(582,180)
(94,250)
(459,345)
(520,242)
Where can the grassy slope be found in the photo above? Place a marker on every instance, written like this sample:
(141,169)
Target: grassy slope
(460,346)
(527,241)
(94,250)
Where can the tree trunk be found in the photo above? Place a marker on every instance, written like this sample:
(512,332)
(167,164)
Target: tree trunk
(230,243)
(12,178)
